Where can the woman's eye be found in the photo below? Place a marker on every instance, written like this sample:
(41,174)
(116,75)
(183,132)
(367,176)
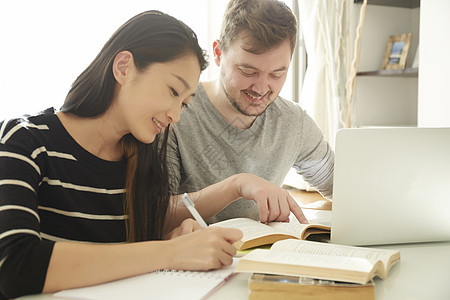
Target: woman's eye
(174,92)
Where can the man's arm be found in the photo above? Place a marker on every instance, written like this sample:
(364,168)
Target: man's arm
(315,162)
(274,203)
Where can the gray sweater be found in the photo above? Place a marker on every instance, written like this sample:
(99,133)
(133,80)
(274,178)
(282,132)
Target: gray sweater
(204,148)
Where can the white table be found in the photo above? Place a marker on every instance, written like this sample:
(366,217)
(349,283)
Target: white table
(422,273)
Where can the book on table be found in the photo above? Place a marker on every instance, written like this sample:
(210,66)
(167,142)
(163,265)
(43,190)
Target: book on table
(257,234)
(294,257)
(269,287)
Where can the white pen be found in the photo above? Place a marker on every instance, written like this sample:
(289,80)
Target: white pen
(190,205)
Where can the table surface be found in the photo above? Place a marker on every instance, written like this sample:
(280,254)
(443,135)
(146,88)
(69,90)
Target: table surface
(422,273)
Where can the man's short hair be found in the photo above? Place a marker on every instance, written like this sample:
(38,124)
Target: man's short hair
(265,24)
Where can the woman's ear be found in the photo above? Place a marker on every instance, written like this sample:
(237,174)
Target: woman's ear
(217,52)
(122,64)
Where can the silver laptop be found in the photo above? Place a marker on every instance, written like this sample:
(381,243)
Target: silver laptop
(391,185)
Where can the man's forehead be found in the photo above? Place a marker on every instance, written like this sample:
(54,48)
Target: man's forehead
(247,42)
(273,60)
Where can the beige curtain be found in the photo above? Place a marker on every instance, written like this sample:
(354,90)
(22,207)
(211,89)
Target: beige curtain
(327,93)
(319,22)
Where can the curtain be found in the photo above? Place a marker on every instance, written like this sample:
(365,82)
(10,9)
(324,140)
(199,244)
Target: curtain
(320,23)
(327,93)
(319,95)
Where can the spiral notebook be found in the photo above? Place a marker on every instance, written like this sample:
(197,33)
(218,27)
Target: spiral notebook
(163,284)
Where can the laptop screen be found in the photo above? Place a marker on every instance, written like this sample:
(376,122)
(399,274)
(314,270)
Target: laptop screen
(391,185)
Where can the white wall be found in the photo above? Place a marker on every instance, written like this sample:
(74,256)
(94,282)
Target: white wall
(46,44)
(434,79)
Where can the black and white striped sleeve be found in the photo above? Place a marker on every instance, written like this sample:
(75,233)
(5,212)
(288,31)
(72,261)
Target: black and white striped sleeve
(24,255)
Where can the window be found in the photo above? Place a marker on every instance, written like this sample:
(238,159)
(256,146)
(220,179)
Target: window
(46,44)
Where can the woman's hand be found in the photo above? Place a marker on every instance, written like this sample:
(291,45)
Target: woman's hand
(187,226)
(274,203)
(206,249)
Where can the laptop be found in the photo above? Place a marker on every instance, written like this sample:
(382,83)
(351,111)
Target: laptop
(391,185)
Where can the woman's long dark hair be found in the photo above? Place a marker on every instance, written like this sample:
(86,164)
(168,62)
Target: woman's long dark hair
(151,37)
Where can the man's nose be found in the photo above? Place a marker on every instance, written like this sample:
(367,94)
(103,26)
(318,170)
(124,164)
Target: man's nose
(261,85)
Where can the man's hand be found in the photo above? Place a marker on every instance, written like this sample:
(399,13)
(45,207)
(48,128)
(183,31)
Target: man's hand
(274,203)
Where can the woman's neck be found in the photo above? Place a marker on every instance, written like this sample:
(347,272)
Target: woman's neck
(95,135)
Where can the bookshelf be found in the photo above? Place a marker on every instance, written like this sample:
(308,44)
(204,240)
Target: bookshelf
(387,97)
(396,3)
(407,72)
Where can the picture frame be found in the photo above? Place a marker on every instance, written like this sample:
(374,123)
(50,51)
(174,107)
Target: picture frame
(396,52)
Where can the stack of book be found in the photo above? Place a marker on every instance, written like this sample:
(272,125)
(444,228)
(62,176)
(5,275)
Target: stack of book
(294,267)
(313,270)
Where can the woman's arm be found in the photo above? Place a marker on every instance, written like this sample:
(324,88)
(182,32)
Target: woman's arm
(76,264)
(274,203)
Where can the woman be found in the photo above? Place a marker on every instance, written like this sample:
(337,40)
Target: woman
(84,191)
(63,175)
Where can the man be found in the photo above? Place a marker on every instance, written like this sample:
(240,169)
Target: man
(237,123)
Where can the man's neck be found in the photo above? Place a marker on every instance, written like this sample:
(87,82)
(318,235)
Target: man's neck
(219,100)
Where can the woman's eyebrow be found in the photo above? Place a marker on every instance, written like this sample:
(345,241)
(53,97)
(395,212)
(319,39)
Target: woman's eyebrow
(185,83)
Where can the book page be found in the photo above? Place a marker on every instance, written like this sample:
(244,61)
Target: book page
(352,269)
(308,247)
(310,260)
(294,228)
(250,228)
(298,229)
(254,229)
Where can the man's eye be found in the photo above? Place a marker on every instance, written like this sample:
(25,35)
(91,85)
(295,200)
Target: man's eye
(174,92)
(247,73)
(277,75)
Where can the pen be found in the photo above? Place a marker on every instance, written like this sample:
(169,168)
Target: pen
(190,205)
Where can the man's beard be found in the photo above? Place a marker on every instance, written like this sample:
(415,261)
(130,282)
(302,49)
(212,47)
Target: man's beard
(242,108)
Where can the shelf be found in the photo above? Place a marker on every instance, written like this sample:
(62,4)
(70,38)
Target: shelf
(408,72)
(397,3)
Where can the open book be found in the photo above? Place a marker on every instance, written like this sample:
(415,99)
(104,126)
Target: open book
(320,260)
(256,233)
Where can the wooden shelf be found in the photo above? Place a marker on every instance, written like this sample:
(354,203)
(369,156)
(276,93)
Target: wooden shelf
(397,3)
(408,72)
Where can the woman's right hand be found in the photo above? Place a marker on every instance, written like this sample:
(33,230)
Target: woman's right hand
(210,248)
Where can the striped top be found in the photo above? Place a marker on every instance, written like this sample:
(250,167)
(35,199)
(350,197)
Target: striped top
(51,189)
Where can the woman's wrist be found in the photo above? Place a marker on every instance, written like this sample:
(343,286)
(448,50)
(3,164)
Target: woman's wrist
(164,254)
